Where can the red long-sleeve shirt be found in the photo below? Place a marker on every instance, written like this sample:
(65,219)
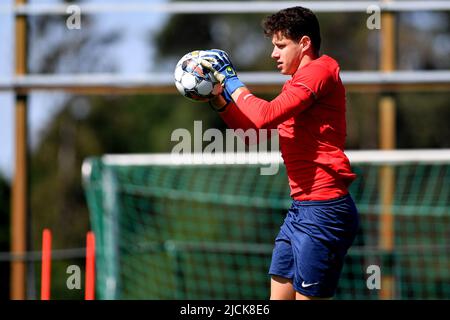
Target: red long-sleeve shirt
(309,114)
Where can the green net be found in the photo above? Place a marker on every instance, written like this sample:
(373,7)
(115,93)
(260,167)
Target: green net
(168,231)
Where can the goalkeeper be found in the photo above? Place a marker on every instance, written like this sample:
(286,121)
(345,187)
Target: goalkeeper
(309,114)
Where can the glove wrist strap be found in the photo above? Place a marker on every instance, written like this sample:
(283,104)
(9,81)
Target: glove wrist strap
(232,84)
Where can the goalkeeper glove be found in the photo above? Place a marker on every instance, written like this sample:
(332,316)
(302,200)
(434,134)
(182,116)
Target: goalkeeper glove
(220,65)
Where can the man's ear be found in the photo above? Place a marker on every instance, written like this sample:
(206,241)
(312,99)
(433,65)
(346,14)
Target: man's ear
(306,42)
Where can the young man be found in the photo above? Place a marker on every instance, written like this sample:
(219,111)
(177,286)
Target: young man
(309,114)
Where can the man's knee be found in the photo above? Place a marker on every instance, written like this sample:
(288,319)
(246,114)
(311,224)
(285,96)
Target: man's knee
(281,289)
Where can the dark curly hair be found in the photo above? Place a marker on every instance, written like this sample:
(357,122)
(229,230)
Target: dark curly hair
(293,23)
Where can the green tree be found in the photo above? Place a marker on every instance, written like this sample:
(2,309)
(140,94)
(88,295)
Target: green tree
(55,197)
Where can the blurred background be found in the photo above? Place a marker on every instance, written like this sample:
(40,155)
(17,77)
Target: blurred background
(65,126)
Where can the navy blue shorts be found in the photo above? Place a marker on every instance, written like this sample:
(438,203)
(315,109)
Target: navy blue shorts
(312,243)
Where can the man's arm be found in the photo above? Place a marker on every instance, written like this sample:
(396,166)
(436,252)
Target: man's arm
(248,111)
(262,114)
(265,114)
(238,121)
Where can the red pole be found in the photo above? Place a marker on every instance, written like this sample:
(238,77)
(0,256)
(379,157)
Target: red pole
(90,266)
(46,264)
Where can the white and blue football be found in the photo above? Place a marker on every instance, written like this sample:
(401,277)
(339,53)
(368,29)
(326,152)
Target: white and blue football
(194,81)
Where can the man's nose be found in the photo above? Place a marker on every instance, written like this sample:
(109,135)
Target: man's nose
(275,54)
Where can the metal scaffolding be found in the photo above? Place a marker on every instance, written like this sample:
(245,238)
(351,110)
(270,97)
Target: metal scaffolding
(257,81)
(218,7)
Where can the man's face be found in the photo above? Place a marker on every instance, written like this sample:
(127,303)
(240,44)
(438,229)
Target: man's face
(287,53)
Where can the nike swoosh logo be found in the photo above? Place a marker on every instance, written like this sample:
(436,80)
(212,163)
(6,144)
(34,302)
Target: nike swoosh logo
(306,285)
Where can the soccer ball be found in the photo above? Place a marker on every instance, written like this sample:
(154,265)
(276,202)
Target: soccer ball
(194,81)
